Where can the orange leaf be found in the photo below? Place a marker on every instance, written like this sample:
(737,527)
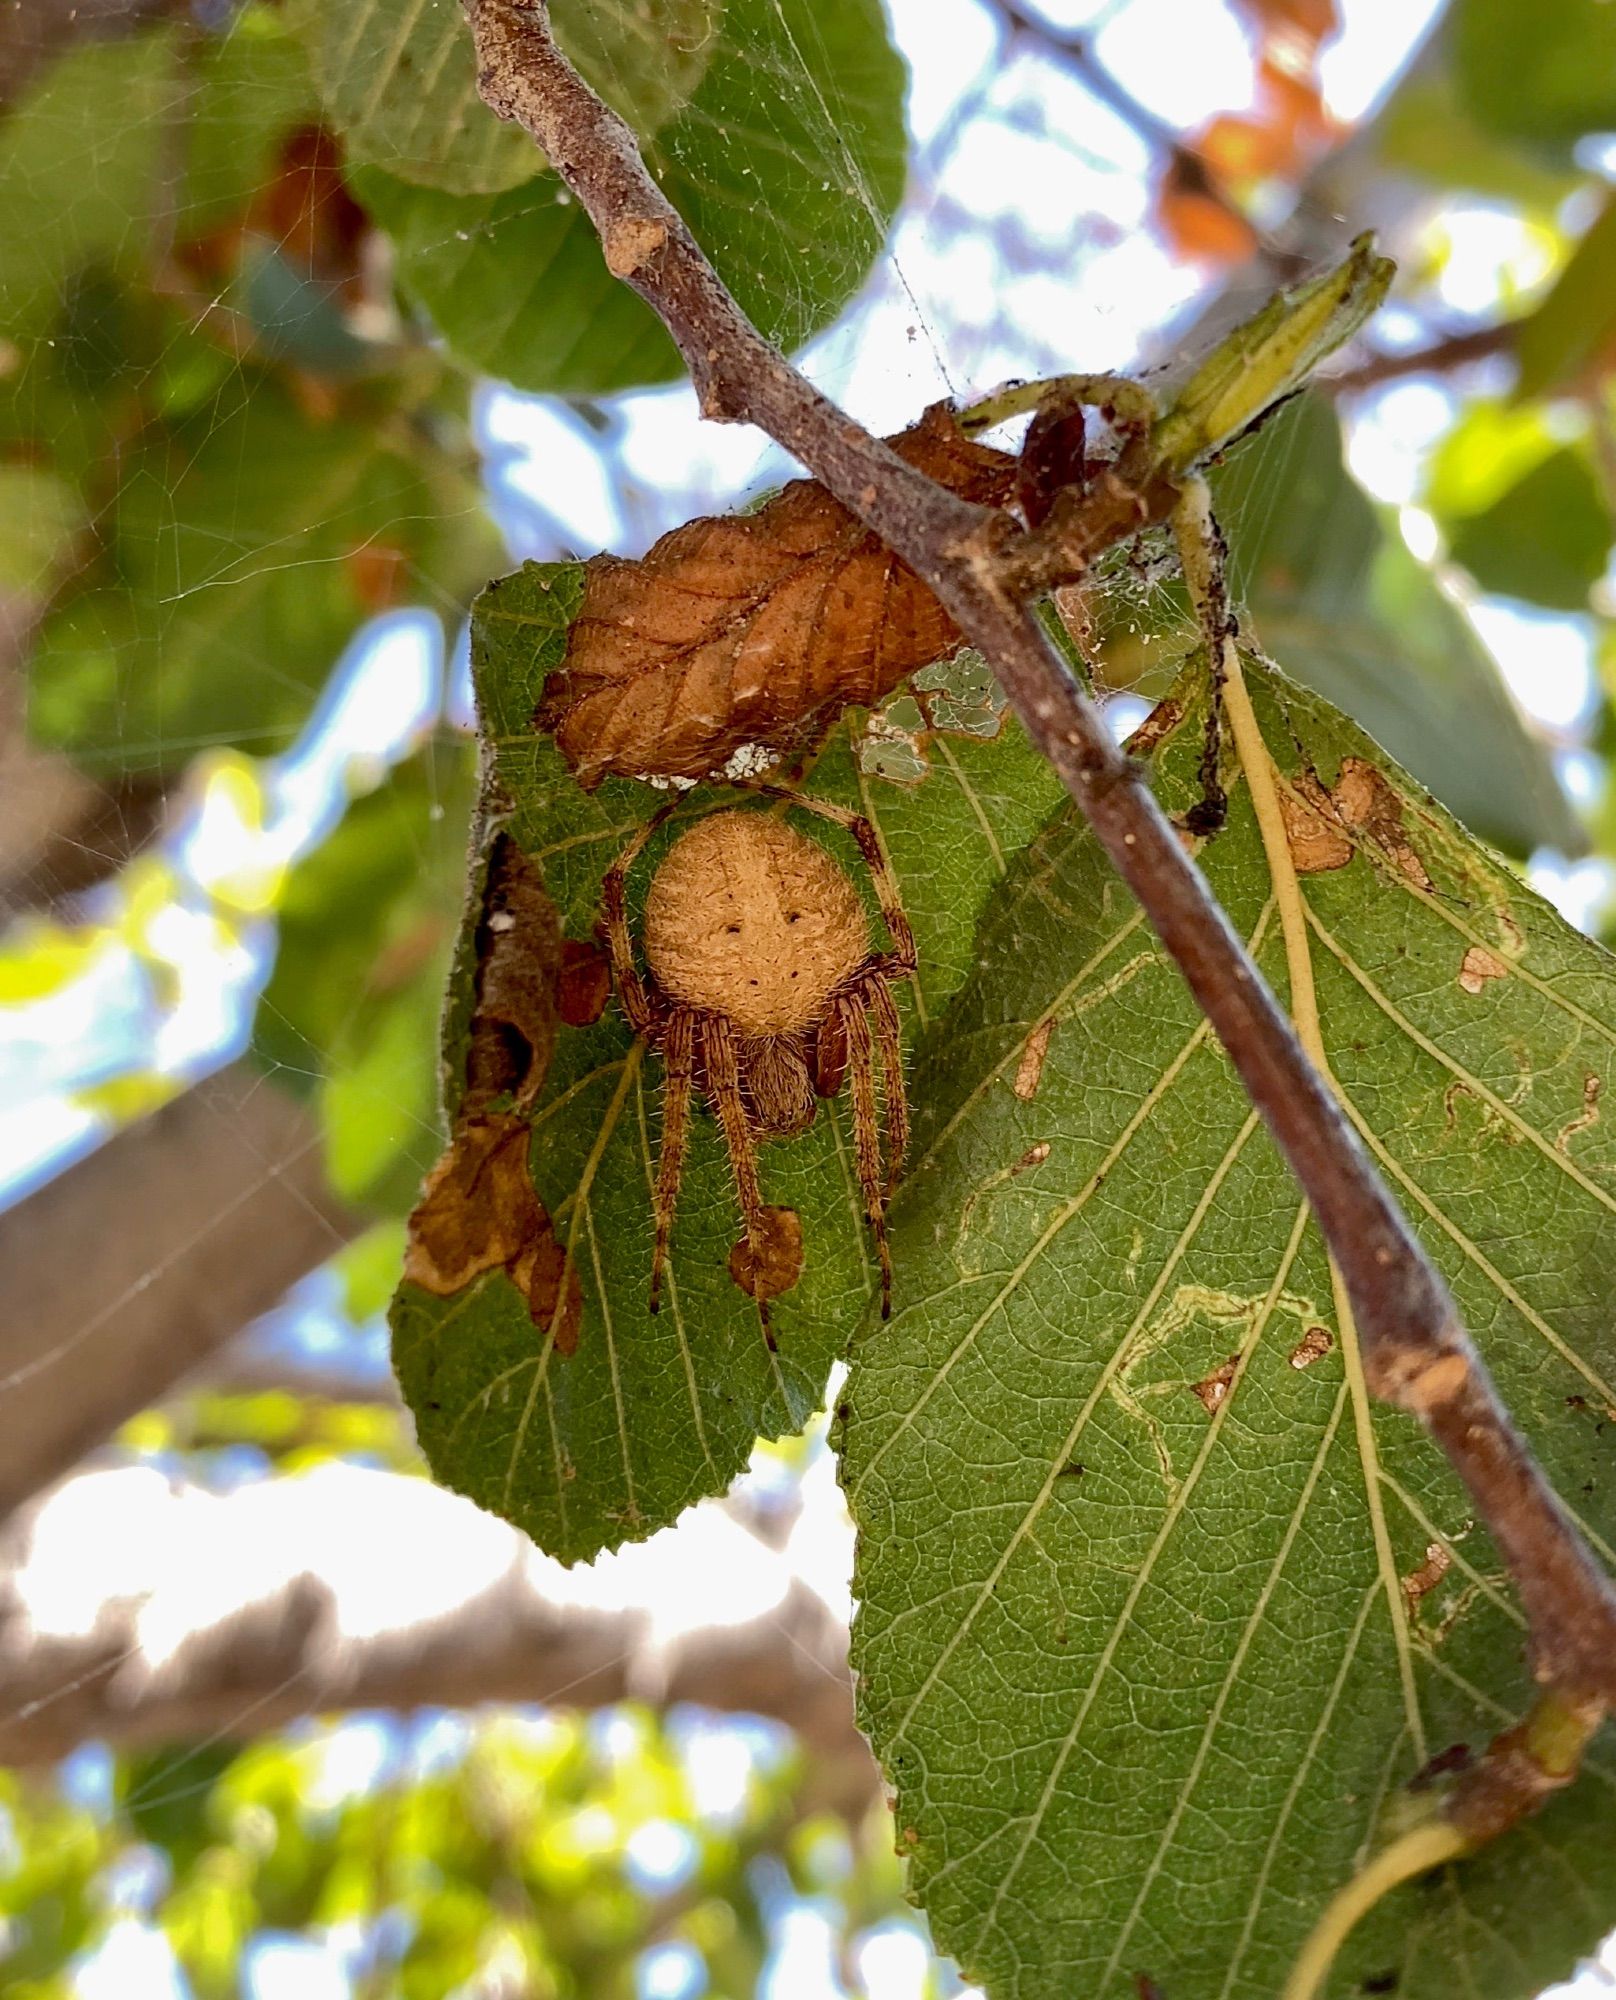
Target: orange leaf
(753,628)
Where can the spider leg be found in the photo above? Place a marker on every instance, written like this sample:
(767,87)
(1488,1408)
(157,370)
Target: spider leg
(889,1043)
(723,1073)
(679,1060)
(853,1009)
(903,956)
(631,990)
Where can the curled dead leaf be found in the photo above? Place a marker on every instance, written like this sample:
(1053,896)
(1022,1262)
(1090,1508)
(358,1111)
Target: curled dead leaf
(778,1263)
(519,959)
(753,629)
(478,1213)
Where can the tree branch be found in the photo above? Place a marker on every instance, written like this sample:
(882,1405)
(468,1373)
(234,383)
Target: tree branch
(125,1272)
(983,569)
(1456,350)
(141,1612)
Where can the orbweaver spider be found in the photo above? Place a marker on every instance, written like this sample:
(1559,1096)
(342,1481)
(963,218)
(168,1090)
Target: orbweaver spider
(762,991)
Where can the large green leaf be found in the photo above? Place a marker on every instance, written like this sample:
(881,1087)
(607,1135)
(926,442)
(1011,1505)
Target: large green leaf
(787,163)
(606,1444)
(1544,74)
(221,602)
(399,80)
(1132,1645)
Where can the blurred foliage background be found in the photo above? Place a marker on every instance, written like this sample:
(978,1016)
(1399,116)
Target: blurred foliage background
(268,418)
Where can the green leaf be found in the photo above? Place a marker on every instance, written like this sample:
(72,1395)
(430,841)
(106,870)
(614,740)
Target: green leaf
(1544,74)
(1350,612)
(1547,539)
(221,603)
(367,924)
(650,1413)
(1131,1658)
(1424,131)
(788,163)
(79,159)
(249,87)
(40,518)
(399,80)
(1577,320)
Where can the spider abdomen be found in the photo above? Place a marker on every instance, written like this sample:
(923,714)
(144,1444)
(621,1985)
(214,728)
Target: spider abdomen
(749,918)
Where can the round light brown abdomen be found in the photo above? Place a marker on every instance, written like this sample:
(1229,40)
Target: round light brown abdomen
(750,918)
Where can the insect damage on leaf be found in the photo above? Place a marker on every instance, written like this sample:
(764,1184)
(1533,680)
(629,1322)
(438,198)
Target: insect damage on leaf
(479,1214)
(753,629)
(478,1211)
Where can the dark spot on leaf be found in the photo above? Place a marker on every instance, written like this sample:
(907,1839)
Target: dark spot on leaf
(1457,1757)
(519,956)
(1382,1982)
(1215,1388)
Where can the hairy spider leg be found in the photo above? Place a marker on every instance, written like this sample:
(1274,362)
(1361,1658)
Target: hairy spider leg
(679,1064)
(631,989)
(852,1008)
(889,1043)
(722,1068)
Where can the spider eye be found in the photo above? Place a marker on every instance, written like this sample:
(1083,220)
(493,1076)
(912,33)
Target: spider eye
(794,915)
(734,930)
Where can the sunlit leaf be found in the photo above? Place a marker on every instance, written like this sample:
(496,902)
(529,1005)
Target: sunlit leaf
(1133,1646)
(605,1444)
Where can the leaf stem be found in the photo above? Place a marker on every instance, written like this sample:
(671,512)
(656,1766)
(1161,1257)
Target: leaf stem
(1413,1853)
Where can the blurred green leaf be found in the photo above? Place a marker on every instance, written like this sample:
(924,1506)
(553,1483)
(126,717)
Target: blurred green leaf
(399,80)
(40,519)
(1544,73)
(249,87)
(220,602)
(1344,607)
(367,922)
(79,160)
(607,1444)
(1126,1646)
(1424,131)
(788,164)
(1547,539)
(1576,324)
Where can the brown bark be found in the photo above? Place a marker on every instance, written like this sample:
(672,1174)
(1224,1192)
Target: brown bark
(128,1270)
(139,1612)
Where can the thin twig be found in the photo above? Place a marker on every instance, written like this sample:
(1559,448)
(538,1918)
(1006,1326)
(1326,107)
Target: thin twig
(1455,350)
(983,569)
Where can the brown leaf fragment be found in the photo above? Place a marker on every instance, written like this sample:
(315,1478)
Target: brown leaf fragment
(478,1213)
(1478,966)
(1034,1156)
(1370,804)
(778,1263)
(1317,842)
(519,959)
(585,984)
(1313,1346)
(1030,1069)
(1217,1385)
(1430,1573)
(753,629)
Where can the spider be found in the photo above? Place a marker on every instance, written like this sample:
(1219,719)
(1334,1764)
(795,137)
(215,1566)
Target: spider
(761,991)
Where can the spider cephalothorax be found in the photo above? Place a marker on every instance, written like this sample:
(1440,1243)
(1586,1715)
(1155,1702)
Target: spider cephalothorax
(762,991)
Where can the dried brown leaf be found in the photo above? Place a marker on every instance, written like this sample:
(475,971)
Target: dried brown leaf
(479,1213)
(519,961)
(753,628)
